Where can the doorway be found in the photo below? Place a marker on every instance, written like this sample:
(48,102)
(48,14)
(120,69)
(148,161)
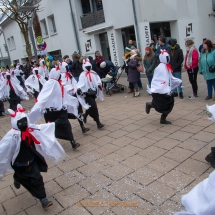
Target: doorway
(128,34)
(160,29)
(105,48)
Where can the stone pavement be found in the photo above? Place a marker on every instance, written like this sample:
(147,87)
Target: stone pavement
(134,160)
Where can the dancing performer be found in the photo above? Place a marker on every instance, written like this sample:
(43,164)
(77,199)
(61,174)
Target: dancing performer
(162,85)
(34,83)
(200,200)
(55,104)
(19,75)
(24,148)
(11,90)
(43,71)
(71,87)
(90,85)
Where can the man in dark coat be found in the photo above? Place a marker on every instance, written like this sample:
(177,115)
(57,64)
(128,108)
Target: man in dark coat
(76,65)
(176,60)
(99,59)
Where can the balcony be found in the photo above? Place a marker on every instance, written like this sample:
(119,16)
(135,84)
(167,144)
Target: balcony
(91,19)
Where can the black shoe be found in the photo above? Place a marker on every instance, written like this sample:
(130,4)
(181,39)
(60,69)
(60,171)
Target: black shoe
(210,158)
(181,95)
(85,130)
(84,118)
(75,145)
(208,98)
(100,126)
(46,203)
(148,107)
(165,122)
(2,114)
(16,184)
(175,94)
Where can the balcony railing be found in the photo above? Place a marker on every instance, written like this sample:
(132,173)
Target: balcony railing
(91,19)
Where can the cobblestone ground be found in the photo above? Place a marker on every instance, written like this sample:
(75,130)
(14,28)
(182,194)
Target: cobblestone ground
(134,160)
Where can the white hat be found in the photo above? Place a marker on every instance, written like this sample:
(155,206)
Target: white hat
(103,64)
(134,55)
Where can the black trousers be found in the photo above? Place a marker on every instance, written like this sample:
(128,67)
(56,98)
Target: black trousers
(1,106)
(36,94)
(93,110)
(63,128)
(31,179)
(163,103)
(13,103)
(192,74)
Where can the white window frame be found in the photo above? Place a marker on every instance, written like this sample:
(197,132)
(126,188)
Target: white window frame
(5,47)
(52,24)
(11,43)
(44,28)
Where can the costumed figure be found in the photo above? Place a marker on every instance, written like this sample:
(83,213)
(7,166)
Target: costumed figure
(34,83)
(200,200)
(90,86)
(55,104)
(162,85)
(24,148)
(11,90)
(19,73)
(43,71)
(71,88)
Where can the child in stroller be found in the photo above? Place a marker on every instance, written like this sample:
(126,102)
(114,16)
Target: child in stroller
(110,82)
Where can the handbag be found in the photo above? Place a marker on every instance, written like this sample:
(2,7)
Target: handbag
(91,92)
(140,68)
(211,68)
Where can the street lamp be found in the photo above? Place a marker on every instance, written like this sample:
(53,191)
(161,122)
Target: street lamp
(30,24)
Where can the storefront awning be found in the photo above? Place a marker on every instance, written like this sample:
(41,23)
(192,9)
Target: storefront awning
(98,29)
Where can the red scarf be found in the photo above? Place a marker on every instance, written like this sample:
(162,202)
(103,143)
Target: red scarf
(89,75)
(62,87)
(169,67)
(67,75)
(30,137)
(10,84)
(38,76)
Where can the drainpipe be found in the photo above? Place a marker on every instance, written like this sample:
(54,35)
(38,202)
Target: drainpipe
(136,25)
(74,27)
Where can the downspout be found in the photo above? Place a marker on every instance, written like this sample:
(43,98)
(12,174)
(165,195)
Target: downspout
(74,27)
(136,25)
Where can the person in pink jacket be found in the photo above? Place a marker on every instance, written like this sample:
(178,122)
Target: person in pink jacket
(191,64)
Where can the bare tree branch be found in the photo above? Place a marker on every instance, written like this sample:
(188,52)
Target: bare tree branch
(10,9)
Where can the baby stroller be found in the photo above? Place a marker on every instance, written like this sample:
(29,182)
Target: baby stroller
(113,86)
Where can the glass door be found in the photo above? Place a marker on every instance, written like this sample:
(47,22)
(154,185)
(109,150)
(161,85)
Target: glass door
(105,46)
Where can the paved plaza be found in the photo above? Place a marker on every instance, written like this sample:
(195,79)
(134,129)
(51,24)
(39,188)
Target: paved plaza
(134,166)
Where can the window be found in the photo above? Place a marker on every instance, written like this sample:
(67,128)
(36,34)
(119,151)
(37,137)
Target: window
(11,43)
(44,28)
(5,47)
(52,25)
(86,6)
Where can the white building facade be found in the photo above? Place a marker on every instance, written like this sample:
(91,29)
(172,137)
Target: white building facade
(81,25)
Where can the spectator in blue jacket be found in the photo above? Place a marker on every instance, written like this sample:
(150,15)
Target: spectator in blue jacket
(109,69)
(68,61)
(162,45)
(201,46)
